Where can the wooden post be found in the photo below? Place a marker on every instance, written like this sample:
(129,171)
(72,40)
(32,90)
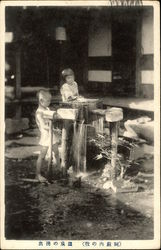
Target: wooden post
(61,44)
(18,73)
(65,115)
(64,151)
(50,145)
(114,130)
(113,116)
(18,81)
(138,55)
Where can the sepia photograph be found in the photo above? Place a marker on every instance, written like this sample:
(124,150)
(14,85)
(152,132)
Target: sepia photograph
(81,139)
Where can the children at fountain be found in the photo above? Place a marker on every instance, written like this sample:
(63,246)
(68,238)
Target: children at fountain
(69,89)
(44,99)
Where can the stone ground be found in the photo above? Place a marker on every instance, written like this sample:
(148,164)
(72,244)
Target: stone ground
(61,211)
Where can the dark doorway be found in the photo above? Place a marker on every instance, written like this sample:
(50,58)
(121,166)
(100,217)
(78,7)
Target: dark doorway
(124,56)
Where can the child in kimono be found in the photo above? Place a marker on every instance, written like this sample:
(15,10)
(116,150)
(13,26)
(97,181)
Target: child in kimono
(44,99)
(69,89)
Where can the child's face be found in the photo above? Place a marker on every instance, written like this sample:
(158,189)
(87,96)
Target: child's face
(45,102)
(69,79)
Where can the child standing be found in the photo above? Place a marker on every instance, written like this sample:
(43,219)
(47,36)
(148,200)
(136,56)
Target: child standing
(44,99)
(69,89)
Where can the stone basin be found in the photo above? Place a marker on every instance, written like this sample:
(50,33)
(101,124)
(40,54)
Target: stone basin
(62,114)
(84,106)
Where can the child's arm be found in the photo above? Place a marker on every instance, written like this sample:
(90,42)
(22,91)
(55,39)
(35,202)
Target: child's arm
(74,94)
(63,91)
(76,89)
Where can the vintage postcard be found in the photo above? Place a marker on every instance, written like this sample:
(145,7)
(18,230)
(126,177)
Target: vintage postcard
(80,119)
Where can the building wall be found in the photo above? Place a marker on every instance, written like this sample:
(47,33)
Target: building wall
(99,39)
(147,50)
(100,55)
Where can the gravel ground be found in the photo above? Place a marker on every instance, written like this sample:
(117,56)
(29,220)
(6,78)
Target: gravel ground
(61,211)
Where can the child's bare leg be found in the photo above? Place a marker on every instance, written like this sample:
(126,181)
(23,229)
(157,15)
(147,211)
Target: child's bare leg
(39,163)
(56,152)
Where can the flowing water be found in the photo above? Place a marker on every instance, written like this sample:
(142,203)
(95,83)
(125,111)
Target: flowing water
(80,138)
(79,147)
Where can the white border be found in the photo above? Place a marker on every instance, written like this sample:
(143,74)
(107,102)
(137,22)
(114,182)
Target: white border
(128,244)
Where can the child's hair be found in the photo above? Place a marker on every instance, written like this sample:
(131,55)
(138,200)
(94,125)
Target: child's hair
(65,73)
(43,94)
